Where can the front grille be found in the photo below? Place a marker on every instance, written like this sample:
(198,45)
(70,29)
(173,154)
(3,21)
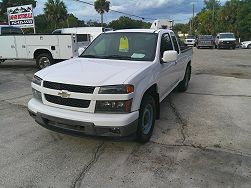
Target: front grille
(79,103)
(68,87)
(228,42)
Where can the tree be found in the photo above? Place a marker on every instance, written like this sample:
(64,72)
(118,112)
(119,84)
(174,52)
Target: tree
(212,4)
(12,3)
(102,6)
(180,27)
(127,23)
(55,12)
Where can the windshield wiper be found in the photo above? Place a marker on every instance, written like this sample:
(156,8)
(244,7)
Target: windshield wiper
(90,56)
(117,57)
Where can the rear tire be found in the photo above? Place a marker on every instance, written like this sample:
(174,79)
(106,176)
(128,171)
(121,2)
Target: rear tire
(249,46)
(147,116)
(183,85)
(44,60)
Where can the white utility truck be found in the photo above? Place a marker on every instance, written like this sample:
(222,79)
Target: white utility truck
(45,49)
(114,88)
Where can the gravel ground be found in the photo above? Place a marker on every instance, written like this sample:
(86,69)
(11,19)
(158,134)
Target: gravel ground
(201,139)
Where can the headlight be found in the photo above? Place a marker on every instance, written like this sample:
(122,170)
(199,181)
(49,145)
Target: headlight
(36,94)
(113,106)
(37,80)
(116,89)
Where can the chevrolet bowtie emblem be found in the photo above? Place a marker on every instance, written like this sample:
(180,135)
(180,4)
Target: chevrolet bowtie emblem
(64,94)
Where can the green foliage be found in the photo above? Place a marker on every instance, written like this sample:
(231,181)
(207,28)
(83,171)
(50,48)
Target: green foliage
(179,27)
(212,4)
(12,3)
(127,23)
(55,12)
(234,16)
(42,25)
(102,6)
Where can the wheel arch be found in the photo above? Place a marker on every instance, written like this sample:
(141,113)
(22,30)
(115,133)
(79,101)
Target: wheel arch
(41,51)
(153,91)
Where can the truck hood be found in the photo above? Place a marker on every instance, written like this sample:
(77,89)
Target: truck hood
(227,39)
(92,72)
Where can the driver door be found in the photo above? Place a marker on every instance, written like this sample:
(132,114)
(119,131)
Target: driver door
(168,73)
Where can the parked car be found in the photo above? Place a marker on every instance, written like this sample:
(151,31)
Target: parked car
(225,40)
(115,87)
(190,41)
(246,44)
(10,30)
(205,41)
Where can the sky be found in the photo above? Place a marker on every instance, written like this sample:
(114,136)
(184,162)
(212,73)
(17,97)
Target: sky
(178,10)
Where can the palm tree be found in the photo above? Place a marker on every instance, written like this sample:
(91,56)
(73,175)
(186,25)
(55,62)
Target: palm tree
(55,11)
(102,6)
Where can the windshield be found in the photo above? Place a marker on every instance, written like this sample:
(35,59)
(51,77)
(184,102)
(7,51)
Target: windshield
(123,46)
(227,35)
(190,37)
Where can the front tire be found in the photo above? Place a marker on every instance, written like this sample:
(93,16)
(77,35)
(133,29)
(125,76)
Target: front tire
(147,116)
(183,85)
(44,60)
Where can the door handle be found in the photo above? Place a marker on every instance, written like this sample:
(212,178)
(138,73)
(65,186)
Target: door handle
(12,46)
(23,46)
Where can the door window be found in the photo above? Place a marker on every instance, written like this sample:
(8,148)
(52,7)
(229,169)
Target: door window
(175,43)
(166,44)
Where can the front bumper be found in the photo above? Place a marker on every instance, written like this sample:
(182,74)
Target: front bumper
(80,124)
(227,44)
(244,46)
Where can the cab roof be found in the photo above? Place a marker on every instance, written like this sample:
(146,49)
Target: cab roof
(140,31)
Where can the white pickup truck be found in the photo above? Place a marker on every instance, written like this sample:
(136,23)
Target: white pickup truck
(115,87)
(45,49)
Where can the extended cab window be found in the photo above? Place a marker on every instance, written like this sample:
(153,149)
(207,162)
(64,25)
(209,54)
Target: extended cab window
(175,43)
(166,44)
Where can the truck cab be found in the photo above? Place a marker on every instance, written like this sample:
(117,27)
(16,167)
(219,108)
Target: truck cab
(225,40)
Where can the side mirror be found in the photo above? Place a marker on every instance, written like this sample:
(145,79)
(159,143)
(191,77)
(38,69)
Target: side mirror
(170,56)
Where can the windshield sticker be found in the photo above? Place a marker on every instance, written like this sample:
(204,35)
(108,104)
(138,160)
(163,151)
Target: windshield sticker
(136,55)
(124,44)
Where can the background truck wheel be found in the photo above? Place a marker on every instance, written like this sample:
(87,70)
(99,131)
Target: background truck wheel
(183,85)
(44,60)
(147,116)
(2,60)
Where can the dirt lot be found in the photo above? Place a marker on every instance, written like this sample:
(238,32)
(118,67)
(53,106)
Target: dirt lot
(201,140)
